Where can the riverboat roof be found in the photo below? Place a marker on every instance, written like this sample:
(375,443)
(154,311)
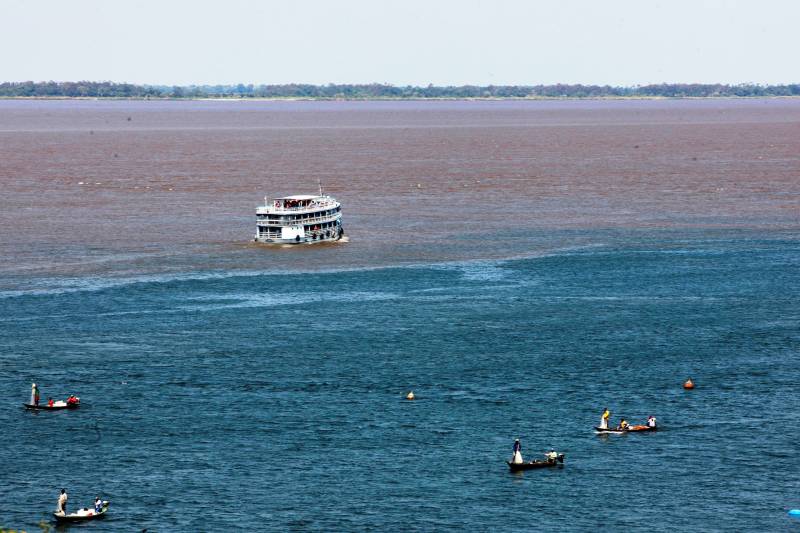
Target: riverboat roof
(299,197)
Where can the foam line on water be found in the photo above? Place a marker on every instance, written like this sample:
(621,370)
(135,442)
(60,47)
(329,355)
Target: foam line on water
(477,270)
(277,300)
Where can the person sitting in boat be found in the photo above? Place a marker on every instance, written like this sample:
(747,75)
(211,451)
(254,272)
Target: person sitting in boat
(604,418)
(98,504)
(623,424)
(50,402)
(651,421)
(517,458)
(552,456)
(72,400)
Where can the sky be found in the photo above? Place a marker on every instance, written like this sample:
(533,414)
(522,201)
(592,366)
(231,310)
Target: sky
(407,42)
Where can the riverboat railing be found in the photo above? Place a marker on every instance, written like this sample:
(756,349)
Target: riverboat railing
(318,234)
(277,206)
(288,222)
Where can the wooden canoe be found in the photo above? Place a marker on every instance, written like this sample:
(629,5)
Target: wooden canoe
(631,429)
(45,407)
(517,467)
(82,515)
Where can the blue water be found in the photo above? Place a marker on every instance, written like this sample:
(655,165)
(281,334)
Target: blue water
(271,401)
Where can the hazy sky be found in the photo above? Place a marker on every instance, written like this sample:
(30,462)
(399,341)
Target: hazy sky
(401,42)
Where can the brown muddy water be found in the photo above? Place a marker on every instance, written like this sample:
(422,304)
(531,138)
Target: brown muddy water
(119,189)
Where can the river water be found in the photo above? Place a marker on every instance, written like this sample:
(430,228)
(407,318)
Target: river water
(518,265)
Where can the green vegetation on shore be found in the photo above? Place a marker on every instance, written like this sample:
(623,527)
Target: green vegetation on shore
(104,89)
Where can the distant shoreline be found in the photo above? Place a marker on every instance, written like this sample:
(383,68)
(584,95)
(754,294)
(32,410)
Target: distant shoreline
(377,91)
(388,99)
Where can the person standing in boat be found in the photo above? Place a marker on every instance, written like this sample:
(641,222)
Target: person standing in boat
(34,395)
(62,502)
(517,457)
(98,504)
(604,418)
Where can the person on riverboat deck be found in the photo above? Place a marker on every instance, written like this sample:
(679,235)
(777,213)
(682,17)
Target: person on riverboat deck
(98,504)
(50,402)
(551,456)
(651,421)
(62,503)
(34,394)
(517,458)
(604,418)
(623,424)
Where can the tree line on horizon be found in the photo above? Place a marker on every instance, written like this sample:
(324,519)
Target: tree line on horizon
(104,89)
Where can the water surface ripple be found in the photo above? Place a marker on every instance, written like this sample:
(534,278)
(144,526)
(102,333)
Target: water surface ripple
(518,265)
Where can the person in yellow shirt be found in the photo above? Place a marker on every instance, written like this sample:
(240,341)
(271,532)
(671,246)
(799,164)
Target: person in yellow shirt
(604,418)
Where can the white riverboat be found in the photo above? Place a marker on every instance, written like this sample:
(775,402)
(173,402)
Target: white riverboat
(299,219)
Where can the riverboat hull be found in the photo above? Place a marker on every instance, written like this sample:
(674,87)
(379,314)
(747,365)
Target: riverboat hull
(301,240)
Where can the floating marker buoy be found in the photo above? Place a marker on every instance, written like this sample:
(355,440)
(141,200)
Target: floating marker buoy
(410,396)
(688,384)
(795,513)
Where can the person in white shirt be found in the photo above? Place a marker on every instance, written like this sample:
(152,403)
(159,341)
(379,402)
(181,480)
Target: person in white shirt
(98,504)
(517,458)
(651,421)
(552,456)
(62,502)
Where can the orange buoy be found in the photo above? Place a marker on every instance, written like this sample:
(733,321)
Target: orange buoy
(688,384)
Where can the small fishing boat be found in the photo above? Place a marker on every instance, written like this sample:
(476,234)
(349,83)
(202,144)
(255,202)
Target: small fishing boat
(55,407)
(517,467)
(630,429)
(82,515)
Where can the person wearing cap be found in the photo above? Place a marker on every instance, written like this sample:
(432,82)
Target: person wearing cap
(551,456)
(604,418)
(517,458)
(651,421)
(62,502)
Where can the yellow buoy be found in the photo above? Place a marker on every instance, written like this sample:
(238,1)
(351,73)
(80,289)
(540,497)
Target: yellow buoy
(410,396)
